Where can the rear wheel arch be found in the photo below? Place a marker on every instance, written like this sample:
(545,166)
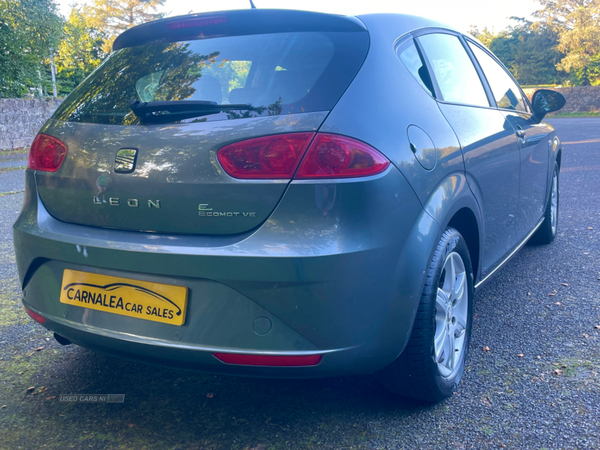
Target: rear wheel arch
(465,222)
(452,204)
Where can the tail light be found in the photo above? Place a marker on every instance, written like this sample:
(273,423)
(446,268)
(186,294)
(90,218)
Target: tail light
(268,360)
(265,157)
(278,157)
(335,156)
(47,153)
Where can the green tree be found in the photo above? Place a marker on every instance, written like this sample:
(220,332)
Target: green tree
(113,17)
(79,53)
(529,51)
(484,36)
(30,31)
(577,24)
(118,82)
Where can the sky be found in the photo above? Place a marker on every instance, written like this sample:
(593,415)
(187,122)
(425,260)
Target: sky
(461,14)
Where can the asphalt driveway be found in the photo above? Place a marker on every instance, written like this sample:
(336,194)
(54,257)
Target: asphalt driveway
(535,386)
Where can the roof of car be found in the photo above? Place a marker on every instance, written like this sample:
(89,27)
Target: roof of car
(399,24)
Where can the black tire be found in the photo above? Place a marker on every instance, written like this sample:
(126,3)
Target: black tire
(416,373)
(546,233)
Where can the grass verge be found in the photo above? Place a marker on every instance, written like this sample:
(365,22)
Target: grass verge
(16,151)
(2,194)
(574,114)
(10,169)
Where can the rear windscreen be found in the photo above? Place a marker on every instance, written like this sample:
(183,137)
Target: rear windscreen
(281,73)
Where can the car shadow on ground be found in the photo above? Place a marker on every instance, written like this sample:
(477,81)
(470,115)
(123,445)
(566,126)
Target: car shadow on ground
(191,407)
(142,382)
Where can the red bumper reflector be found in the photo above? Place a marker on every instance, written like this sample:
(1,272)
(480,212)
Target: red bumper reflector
(35,316)
(268,360)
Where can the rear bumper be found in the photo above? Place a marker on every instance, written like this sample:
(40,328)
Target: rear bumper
(339,278)
(173,353)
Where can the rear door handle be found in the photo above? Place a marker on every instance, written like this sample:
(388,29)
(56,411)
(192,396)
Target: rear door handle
(521,134)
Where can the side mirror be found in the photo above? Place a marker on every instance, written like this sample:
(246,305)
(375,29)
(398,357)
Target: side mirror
(545,101)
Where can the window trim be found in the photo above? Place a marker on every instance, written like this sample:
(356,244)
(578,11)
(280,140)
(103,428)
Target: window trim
(483,81)
(526,101)
(436,87)
(402,44)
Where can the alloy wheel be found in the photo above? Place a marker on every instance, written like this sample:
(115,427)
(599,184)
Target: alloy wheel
(452,303)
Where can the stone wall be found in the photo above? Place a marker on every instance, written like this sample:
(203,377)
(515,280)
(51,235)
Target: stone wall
(21,119)
(579,98)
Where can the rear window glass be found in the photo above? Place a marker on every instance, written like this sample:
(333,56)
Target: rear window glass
(282,73)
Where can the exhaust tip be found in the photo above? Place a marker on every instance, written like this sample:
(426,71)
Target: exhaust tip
(61,340)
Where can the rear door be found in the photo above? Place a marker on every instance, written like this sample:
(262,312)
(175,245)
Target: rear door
(159,171)
(487,139)
(532,139)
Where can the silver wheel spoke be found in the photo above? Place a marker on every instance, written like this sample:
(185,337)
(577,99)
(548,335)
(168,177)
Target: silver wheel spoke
(461,324)
(460,285)
(442,300)
(451,274)
(440,344)
(451,349)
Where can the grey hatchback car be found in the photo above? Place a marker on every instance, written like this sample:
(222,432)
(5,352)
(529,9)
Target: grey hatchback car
(286,194)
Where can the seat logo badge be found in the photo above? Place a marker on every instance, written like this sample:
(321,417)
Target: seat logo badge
(125,160)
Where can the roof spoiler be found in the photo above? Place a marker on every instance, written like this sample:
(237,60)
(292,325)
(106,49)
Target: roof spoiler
(234,23)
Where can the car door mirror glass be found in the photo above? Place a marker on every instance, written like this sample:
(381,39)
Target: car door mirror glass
(545,101)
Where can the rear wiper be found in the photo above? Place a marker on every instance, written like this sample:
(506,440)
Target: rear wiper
(177,110)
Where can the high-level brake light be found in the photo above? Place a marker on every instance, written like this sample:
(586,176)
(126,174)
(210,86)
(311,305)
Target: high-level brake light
(195,23)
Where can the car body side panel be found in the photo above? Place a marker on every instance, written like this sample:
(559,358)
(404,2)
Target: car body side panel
(535,150)
(492,161)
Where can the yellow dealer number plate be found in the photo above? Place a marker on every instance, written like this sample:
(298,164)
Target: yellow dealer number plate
(142,299)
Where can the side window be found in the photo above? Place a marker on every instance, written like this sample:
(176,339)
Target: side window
(410,57)
(453,70)
(505,90)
